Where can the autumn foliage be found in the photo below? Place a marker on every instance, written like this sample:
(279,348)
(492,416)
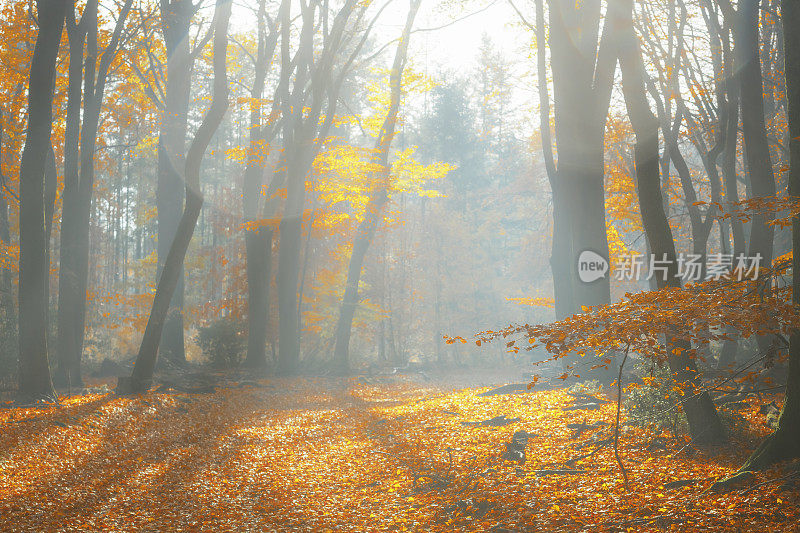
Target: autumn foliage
(388,455)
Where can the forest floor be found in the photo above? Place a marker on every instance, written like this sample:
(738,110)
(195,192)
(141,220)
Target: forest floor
(369,454)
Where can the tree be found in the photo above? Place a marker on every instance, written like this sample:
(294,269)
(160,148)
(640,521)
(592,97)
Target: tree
(304,130)
(258,236)
(34,371)
(176,18)
(6,294)
(583,74)
(562,279)
(81,129)
(139,381)
(374,210)
(784,443)
(704,423)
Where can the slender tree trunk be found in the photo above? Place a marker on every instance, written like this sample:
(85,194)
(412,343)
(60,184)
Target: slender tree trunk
(176,16)
(731,345)
(754,133)
(374,210)
(785,442)
(68,291)
(753,128)
(6,291)
(561,251)
(258,240)
(91,120)
(140,379)
(704,423)
(79,182)
(34,371)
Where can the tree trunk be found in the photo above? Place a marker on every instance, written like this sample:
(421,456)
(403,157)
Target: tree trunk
(754,130)
(50,193)
(6,290)
(291,229)
(304,129)
(583,75)
(754,134)
(258,240)
(784,443)
(176,16)
(34,370)
(69,296)
(258,246)
(140,379)
(731,345)
(561,252)
(704,423)
(374,210)
(79,183)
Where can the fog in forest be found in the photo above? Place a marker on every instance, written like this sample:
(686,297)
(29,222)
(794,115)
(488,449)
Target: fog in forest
(399,265)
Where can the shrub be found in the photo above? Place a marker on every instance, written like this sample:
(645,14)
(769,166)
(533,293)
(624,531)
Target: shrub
(223,342)
(591,386)
(655,401)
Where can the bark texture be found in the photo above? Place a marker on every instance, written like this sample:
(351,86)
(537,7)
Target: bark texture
(784,443)
(34,371)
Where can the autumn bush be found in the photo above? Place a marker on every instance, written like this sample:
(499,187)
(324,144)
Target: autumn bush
(591,386)
(223,342)
(654,400)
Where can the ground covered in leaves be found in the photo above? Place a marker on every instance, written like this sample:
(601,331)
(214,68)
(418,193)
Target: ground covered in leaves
(369,455)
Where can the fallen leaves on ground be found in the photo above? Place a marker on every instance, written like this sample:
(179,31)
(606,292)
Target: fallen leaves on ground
(340,455)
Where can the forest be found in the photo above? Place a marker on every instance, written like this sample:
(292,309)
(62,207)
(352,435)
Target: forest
(399,265)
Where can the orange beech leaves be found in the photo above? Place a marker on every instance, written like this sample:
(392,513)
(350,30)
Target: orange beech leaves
(698,313)
(343,455)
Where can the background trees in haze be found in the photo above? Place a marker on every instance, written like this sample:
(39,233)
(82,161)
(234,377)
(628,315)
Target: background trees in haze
(360,203)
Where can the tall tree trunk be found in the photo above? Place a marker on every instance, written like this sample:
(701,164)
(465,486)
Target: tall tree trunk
(784,443)
(754,133)
(731,345)
(754,130)
(304,130)
(258,240)
(79,182)
(583,75)
(34,370)
(142,374)
(50,193)
(6,291)
(704,423)
(561,250)
(69,296)
(291,228)
(374,210)
(176,16)
(582,85)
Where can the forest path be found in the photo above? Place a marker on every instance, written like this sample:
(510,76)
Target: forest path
(365,454)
